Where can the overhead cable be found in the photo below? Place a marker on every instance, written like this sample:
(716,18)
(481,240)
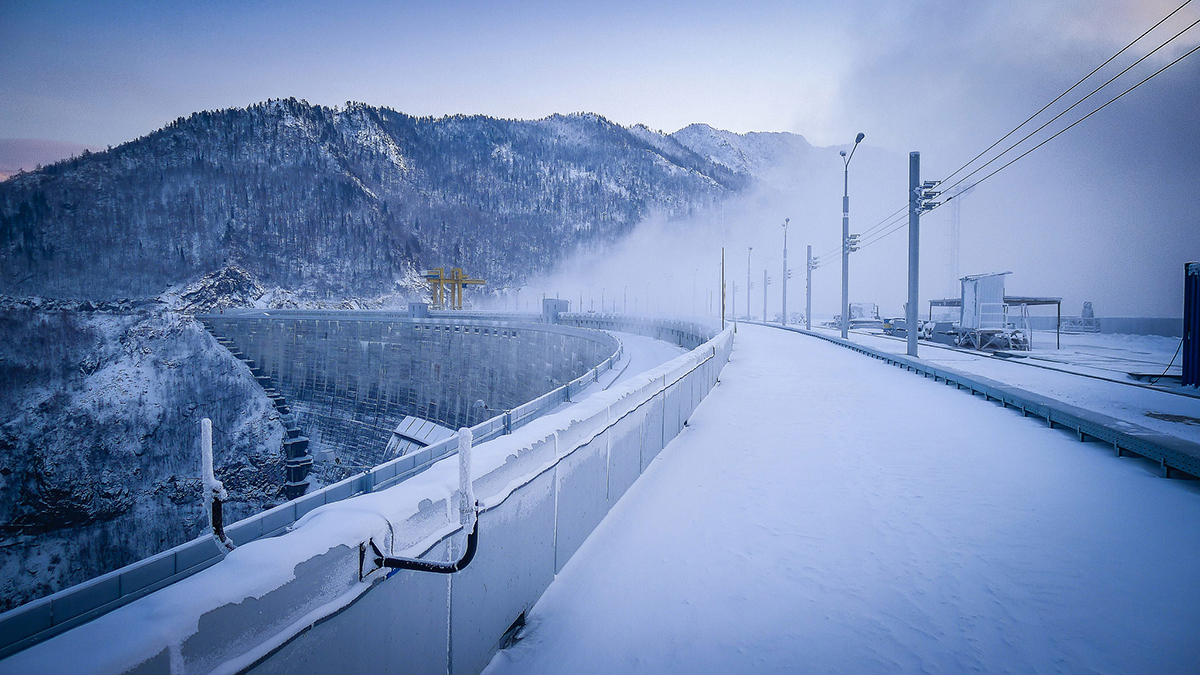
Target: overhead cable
(1069,90)
(1073,105)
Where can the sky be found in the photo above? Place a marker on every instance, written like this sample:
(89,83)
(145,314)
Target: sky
(1106,209)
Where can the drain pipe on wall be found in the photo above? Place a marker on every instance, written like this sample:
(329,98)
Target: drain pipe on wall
(468,517)
(214,491)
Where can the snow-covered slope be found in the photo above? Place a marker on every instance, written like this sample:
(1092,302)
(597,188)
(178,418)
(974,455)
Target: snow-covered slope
(754,153)
(339,201)
(99,428)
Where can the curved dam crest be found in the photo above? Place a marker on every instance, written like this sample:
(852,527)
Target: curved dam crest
(352,380)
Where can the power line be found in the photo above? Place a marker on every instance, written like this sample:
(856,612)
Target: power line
(885,220)
(1072,107)
(1069,90)
(898,224)
(891,224)
(1068,128)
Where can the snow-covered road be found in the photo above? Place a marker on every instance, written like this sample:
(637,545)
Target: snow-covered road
(827,513)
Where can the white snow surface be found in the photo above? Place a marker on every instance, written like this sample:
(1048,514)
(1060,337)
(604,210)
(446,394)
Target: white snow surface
(809,519)
(1082,355)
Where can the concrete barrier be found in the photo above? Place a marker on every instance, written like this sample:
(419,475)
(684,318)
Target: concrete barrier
(311,599)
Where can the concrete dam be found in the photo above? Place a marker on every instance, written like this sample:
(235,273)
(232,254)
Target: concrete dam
(562,433)
(351,378)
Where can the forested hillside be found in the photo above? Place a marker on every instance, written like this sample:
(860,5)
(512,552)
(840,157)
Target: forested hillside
(340,202)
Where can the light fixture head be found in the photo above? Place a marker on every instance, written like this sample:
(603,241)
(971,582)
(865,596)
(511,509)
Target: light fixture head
(842,153)
(859,138)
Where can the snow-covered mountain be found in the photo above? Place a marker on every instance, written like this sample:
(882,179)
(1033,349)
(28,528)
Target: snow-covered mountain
(348,201)
(753,154)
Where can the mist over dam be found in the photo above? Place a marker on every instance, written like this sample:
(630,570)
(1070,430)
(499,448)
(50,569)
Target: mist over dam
(352,378)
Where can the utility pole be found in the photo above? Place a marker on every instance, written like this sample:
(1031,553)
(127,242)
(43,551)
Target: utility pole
(786,273)
(808,292)
(919,200)
(846,235)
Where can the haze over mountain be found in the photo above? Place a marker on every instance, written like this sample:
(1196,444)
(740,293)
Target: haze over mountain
(27,154)
(349,202)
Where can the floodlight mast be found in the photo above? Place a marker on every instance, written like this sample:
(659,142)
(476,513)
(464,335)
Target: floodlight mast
(783,319)
(846,233)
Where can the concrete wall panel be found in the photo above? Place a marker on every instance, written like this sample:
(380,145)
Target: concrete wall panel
(624,454)
(652,431)
(672,420)
(514,564)
(400,626)
(582,478)
(237,627)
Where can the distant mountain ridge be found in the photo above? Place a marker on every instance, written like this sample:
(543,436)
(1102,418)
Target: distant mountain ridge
(350,201)
(27,154)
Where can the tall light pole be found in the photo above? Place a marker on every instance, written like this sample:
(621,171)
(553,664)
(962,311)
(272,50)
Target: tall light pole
(846,233)
(766,282)
(783,321)
(749,314)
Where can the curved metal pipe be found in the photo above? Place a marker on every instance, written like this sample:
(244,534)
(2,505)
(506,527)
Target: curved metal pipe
(428,566)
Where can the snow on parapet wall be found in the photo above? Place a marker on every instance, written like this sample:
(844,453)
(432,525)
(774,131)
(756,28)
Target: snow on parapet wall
(541,490)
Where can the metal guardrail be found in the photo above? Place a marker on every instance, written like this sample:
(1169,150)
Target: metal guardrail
(1170,452)
(43,618)
(689,334)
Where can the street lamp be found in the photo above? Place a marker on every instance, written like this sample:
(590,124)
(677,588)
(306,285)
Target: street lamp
(783,321)
(846,234)
(749,285)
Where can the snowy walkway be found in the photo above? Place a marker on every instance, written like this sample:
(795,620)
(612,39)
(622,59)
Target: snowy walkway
(827,513)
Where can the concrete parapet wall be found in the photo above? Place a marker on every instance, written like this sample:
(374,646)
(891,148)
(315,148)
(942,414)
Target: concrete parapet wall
(305,601)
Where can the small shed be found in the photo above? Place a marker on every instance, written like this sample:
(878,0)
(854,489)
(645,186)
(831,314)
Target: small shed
(984,306)
(983,301)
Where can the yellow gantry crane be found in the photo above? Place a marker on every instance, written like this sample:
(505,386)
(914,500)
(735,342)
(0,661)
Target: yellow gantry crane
(447,291)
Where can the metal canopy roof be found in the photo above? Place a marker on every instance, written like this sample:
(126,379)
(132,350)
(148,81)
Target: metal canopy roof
(1008,300)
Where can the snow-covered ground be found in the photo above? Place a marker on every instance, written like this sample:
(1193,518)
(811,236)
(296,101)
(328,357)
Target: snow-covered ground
(1120,354)
(641,353)
(824,512)
(1100,360)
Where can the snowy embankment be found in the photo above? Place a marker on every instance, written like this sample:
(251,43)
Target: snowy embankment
(824,512)
(1161,411)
